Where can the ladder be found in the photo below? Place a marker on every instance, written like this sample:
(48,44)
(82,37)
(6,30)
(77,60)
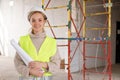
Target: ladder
(101,40)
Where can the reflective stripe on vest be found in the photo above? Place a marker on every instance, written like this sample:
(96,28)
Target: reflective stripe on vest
(47,49)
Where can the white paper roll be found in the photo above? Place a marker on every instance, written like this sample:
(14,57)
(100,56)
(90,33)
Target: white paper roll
(25,57)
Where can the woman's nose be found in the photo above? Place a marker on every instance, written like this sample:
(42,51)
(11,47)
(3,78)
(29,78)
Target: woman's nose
(36,22)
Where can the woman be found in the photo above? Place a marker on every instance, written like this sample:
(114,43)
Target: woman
(41,48)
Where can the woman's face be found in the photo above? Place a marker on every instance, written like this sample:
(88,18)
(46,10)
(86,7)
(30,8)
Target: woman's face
(37,21)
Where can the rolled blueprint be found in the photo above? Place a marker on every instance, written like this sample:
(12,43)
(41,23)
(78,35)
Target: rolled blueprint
(25,57)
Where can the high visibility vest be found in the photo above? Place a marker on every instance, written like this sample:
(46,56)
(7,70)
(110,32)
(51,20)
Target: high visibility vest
(46,51)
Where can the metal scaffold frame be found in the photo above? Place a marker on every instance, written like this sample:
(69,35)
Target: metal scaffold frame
(100,41)
(85,40)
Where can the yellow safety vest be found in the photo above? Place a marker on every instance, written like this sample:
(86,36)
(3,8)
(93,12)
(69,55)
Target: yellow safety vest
(46,51)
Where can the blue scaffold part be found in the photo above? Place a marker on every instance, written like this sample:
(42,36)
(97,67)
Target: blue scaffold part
(84,38)
(80,39)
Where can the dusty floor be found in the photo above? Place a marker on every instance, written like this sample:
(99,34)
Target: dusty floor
(8,72)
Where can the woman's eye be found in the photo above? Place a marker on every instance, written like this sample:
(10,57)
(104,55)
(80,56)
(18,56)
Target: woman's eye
(40,20)
(33,20)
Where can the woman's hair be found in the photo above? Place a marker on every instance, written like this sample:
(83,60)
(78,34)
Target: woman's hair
(33,12)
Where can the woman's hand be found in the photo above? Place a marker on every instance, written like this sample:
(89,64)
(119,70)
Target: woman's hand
(37,64)
(36,68)
(36,72)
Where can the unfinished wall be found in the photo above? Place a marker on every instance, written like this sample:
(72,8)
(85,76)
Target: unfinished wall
(16,24)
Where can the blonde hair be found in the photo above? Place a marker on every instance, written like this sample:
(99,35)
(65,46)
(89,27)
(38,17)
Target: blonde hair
(33,12)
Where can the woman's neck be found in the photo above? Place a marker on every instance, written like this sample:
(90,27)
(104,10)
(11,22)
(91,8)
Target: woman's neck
(38,32)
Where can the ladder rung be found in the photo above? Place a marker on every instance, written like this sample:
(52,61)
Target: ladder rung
(97,72)
(96,28)
(58,7)
(58,26)
(95,14)
(97,42)
(102,58)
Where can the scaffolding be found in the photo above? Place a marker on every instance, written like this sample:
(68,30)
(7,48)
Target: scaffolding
(82,34)
(102,39)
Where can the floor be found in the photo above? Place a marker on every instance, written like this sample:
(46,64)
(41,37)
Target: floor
(8,72)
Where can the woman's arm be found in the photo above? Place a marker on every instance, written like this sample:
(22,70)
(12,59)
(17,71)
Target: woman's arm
(54,64)
(24,70)
(20,66)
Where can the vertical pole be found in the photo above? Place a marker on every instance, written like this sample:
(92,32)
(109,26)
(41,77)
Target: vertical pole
(43,4)
(84,35)
(109,35)
(109,60)
(84,24)
(69,35)
(109,18)
(84,67)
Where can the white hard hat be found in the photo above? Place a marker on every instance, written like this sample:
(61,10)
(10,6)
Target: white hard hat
(37,8)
